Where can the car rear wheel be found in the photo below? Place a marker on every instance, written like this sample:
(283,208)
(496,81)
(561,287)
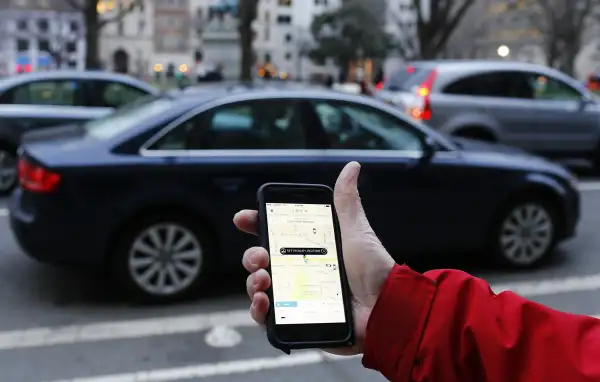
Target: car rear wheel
(8,171)
(162,259)
(525,234)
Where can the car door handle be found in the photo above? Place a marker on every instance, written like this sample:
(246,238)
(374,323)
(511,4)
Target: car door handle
(229,184)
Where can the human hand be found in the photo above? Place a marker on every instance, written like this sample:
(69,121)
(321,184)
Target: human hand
(367,262)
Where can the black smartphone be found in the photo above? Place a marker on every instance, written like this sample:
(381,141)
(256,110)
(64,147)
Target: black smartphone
(309,294)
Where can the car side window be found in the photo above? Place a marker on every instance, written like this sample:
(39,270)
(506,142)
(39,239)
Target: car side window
(257,124)
(352,126)
(50,92)
(115,94)
(495,84)
(548,88)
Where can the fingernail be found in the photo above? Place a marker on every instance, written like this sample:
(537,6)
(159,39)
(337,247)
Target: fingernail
(254,257)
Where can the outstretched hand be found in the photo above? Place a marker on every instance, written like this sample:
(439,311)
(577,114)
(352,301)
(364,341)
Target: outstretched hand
(367,262)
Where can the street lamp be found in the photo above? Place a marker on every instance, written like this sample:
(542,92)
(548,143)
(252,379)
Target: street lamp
(503,51)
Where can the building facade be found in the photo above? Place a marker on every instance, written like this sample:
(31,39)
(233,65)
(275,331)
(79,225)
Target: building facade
(283,36)
(40,35)
(127,44)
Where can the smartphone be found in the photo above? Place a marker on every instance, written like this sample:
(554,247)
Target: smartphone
(309,294)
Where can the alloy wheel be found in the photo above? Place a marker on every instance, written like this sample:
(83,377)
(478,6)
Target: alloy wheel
(8,171)
(165,259)
(526,234)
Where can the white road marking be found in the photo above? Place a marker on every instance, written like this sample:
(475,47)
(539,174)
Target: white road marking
(223,337)
(547,287)
(194,323)
(217,369)
(589,186)
(151,327)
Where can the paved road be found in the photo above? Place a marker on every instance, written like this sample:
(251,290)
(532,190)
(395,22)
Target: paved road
(60,326)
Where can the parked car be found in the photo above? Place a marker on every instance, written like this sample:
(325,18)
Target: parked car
(45,99)
(593,82)
(149,191)
(529,106)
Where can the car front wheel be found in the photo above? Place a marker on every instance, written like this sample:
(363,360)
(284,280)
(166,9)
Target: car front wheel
(525,234)
(162,259)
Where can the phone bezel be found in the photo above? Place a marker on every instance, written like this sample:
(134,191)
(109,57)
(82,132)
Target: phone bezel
(316,333)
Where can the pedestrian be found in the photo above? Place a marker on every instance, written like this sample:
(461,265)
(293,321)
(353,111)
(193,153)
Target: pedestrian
(329,81)
(443,325)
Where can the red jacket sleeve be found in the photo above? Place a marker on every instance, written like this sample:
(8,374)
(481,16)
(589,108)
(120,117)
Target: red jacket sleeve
(449,326)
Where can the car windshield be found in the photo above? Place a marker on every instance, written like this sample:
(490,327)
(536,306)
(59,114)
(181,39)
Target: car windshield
(128,116)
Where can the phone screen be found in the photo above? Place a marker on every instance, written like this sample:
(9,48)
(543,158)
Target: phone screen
(306,280)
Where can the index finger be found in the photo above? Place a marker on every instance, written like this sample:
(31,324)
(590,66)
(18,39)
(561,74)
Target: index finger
(247,221)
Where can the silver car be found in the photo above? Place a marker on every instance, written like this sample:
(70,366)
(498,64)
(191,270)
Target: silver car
(45,99)
(525,105)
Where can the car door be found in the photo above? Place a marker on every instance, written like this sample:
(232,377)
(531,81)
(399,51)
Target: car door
(221,156)
(111,94)
(495,99)
(566,122)
(411,207)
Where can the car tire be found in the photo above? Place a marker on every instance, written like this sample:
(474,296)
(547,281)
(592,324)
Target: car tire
(8,169)
(154,267)
(525,233)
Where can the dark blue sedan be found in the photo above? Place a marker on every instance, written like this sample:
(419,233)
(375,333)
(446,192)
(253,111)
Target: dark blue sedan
(150,191)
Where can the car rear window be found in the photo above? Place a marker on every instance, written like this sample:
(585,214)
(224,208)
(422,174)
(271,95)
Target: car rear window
(128,116)
(407,77)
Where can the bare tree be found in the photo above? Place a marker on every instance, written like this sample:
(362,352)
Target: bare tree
(94,24)
(562,25)
(247,11)
(426,35)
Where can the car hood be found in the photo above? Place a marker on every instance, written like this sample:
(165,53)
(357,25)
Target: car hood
(494,154)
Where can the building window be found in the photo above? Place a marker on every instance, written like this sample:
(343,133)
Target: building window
(288,56)
(288,37)
(43,25)
(44,46)
(320,2)
(72,64)
(284,19)
(71,47)
(141,26)
(22,45)
(22,25)
(73,26)
(285,3)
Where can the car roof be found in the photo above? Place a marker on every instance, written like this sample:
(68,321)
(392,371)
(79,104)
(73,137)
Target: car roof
(11,81)
(263,89)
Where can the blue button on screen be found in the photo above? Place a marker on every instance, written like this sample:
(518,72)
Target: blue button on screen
(286,304)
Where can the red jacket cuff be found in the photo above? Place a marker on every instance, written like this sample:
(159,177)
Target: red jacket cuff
(397,322)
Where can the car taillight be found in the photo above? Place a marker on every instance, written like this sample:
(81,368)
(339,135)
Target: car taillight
(424,91)
(36,178)
(379,85)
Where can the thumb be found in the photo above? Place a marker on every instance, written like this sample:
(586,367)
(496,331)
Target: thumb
(351,214)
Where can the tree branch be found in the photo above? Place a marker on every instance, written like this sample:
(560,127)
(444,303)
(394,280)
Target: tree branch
(121,14)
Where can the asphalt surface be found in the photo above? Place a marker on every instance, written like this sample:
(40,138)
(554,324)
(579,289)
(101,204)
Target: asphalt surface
(59,325)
